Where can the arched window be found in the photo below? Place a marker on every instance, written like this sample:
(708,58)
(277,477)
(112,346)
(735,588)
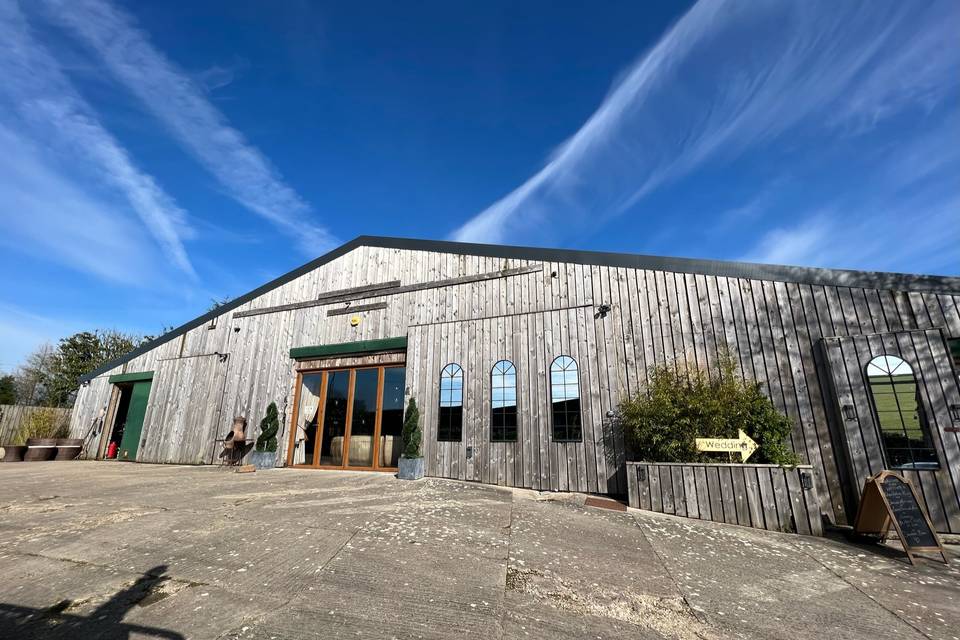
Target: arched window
(450,424)
(503,411)
(903,427)
(565,400)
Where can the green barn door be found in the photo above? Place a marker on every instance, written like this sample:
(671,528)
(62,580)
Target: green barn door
(134,425)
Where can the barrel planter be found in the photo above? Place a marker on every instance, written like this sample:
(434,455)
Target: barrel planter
(13,452)
(39,449)
(68,448)
(762,496)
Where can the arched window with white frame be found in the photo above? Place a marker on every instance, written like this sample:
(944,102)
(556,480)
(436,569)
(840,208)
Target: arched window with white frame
(565,400)
(503,402)
(904,432)
(450,415)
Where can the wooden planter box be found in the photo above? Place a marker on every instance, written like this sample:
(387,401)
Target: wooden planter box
(762,496)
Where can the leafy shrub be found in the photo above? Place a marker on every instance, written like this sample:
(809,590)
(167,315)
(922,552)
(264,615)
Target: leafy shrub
(42,422)
(411,431)
(680,405)
(267,440)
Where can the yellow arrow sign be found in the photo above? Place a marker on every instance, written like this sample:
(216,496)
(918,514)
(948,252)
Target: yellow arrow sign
(743,443)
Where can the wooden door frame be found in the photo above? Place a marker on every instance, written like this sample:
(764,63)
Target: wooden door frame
(109,421)
(321,414)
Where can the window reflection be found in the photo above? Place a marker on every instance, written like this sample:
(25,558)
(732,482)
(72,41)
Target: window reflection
(391,416)
(565,399)
(903,427)
(334,418)
(450,425)
(503,410)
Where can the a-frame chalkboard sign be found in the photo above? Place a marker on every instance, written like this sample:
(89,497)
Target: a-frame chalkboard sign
(888,498)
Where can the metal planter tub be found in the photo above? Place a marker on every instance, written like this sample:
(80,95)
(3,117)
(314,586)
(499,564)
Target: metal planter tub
(410,468)
(262,459)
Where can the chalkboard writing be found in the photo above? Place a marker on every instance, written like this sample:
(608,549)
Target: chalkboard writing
(888,498)
(903,503)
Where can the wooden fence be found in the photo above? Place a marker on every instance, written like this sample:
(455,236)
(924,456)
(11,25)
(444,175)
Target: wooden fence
(761,496)
(13,415)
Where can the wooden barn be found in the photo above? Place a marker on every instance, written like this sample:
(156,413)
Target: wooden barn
(518,356)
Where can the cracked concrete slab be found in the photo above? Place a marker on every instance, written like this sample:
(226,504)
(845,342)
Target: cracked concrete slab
(109,550)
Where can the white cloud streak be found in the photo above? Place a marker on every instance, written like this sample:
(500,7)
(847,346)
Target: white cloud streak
(183,107)
(875,236)
(35,87)
(47,215)
(728,76)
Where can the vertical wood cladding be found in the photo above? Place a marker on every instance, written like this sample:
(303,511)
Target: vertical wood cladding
(539,309)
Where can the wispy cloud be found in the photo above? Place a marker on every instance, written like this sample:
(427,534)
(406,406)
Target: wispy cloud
(35,88)
(48,215)
(870,235)
(727,77)
(184,108)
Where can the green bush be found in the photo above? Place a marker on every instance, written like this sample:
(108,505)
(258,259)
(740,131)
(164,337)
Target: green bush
(42,422)
(411,431)
(682,404)
(267,441)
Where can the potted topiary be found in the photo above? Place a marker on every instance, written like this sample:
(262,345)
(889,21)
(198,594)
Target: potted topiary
(411,462)
(265,456)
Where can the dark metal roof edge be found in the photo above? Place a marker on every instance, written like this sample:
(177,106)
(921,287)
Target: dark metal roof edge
(754,271)
(751,270)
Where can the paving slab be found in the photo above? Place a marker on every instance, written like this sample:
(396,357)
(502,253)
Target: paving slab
(119,550)
(762,584)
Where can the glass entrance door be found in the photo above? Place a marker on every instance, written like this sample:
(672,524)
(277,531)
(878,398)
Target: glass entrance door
(348,418)
(334,418)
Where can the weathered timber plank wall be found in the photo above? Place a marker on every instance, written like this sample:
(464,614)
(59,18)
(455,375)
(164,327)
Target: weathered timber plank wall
(772,328)
(13,416)
(761,496)
(937,385)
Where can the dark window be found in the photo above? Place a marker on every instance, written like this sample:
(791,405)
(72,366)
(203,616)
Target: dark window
(903,427)
(565,399)
(953,344)
(450,425)
(503,407)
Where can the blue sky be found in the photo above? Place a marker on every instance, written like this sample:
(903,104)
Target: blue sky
(159,155)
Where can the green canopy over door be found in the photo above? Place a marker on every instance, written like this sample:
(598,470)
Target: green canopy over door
(134,426)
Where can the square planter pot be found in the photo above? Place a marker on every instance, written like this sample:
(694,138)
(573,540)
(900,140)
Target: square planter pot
(410,468)
(263,459)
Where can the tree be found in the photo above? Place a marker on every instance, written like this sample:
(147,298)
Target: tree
(681,404)
(8,390)
(165,329)
(216,303)
(411,431)
(78,355)
(31,377)
(267,441)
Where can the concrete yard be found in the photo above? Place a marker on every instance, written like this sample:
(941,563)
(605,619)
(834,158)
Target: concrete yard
(118,550)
